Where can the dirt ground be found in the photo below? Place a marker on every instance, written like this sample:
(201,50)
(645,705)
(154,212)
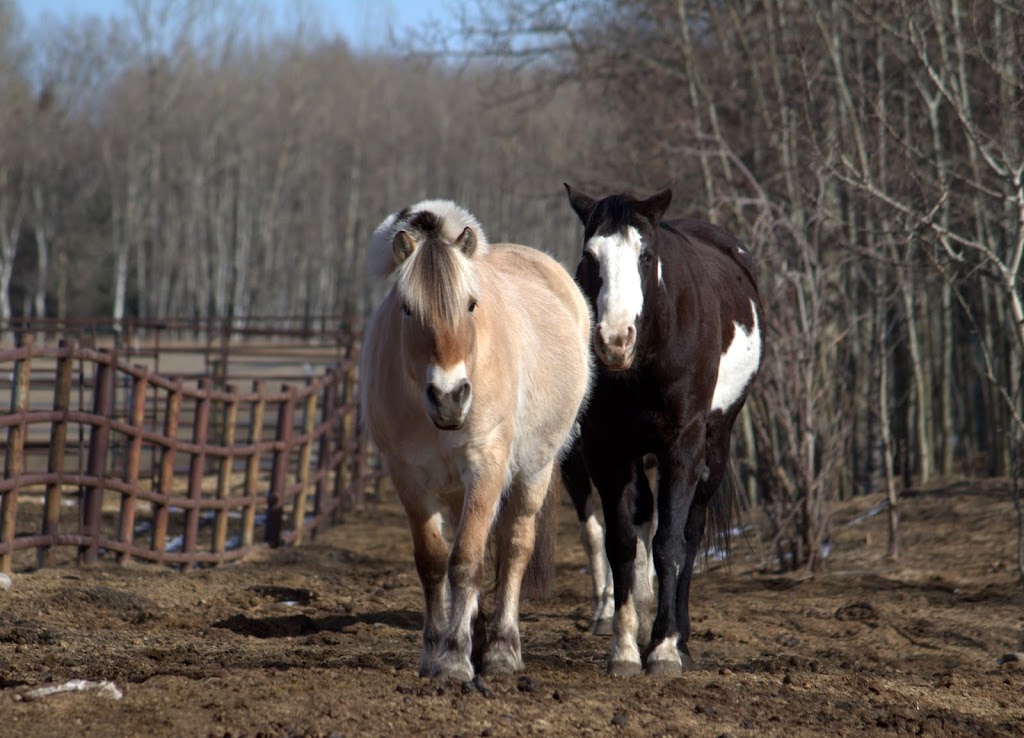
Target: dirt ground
(323,640)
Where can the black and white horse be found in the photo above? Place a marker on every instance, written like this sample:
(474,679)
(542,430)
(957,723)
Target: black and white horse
(677,335)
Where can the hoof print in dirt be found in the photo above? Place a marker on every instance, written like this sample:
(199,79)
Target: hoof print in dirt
(525,684)
(859,611)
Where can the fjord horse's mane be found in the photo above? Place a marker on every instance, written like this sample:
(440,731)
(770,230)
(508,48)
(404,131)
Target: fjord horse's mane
(442,219)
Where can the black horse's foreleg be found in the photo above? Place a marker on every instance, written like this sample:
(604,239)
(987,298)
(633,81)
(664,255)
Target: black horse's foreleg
(680,469)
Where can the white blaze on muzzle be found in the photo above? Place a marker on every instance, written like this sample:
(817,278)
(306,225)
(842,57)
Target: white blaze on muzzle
(621,298)
(449,394)
(446,379)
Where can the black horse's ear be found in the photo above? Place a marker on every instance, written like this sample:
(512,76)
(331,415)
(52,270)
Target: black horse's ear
(402,247)
(654,207)
(466,242)
(580,202)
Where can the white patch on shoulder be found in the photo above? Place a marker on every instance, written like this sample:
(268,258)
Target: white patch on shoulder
(738,364)
(621,298)
(661,278)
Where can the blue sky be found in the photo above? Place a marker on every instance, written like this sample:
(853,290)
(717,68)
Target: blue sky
(364,23)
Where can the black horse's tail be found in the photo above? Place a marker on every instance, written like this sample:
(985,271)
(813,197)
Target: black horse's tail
(721,516)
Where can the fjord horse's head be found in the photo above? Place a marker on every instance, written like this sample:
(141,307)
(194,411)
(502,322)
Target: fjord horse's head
(619,268)
(438,293)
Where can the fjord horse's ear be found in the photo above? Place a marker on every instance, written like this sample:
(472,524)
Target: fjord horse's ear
(581,203)
(402,247)
(466,242)
(654,207)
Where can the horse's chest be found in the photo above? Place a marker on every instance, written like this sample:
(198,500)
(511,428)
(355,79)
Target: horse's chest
(440,469)
(633,413)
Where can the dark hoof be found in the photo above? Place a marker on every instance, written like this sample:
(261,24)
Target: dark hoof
(664,669)
(688,663)
(601,628)
(623,668)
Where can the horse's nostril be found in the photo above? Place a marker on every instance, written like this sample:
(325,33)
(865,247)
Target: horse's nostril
(620,340)
(462,392)
(433,395)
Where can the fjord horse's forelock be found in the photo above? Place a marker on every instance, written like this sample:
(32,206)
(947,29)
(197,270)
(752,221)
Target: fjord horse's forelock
(697,350)
(438,284)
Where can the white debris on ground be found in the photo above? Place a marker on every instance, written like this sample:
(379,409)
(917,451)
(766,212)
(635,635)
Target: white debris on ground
(104,689)
(5,582)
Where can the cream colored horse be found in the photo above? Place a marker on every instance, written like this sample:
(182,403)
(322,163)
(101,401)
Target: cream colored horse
(474,368)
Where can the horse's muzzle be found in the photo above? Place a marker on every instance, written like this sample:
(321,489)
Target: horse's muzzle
(615,350)
(448,409)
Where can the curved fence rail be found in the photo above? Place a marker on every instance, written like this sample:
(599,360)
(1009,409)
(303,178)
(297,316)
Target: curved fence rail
(106,458)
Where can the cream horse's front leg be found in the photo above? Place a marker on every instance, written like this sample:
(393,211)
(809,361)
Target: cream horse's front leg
(465,575)
(430,551)
(516,534)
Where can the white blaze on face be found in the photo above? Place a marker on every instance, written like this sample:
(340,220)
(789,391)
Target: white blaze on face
(738,364)
(621,298)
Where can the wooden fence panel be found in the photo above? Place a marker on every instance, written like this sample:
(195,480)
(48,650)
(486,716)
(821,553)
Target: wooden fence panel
(138,481)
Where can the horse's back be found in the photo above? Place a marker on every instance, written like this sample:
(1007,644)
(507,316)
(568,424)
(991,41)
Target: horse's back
(723,252)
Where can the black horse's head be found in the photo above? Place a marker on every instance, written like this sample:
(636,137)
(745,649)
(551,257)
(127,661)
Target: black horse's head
(619,268)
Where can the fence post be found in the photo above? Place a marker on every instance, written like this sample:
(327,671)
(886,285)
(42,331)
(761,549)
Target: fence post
(58,448)
(15,453)
(137,421)
(91,515)
(227,463)
(252,469)
(165,484)
(197,466)
(279,470)
(343,480)
(323,461)
(305,458)
(359,438)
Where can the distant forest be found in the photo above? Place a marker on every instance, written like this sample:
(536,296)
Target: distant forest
(180,162)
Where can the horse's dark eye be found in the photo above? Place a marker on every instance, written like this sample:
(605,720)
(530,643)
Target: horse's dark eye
(472,305)
(405,310)
(646,257)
